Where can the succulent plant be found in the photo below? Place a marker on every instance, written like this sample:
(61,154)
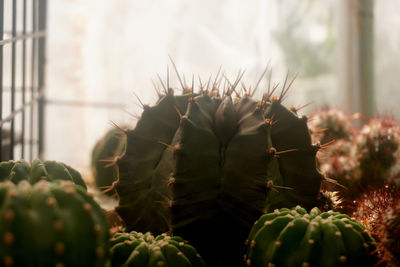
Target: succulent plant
(379,211)
(378,151)
(329,200)
(201,164)
(330,124)
(369,159)
(141,250)
(16,171)
(111,145)
(388,232)
(51,224)
(293,237)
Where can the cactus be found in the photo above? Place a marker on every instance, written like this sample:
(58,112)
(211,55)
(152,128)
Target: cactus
(51,224)
(379,211)
(202,165)
(111,145)
(378,151)
(329,200)
(293,237)
(388,232)
(331,124)
(16,171)
(368,158)
(140,250)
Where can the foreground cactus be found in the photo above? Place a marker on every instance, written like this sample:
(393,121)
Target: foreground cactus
(203,165)
(141,250)
(51,224)
(293,237)
(16,171)
(111,145)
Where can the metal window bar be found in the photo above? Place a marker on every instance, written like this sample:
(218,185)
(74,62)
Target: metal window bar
(22,96)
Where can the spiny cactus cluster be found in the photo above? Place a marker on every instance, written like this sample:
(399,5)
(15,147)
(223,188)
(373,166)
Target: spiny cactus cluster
(334,127)
(367,158)
(141,250)
(111,145)
(51,224)
(293,237)
(388,232)
(16,171)
(204,164)
(330,124)
(378,150)
(379,211)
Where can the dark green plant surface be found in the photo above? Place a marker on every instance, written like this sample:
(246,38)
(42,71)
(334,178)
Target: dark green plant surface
(141,250)
(111,145)
(51,224)
(16,171)
(293,237)
(203,165)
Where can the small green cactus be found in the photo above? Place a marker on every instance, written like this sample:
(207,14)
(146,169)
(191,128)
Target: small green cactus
(141,250)
(16,171)
(111,145)
(51,224)
(293,237)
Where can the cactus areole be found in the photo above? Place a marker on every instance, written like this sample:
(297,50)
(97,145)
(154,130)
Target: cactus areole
(207,166)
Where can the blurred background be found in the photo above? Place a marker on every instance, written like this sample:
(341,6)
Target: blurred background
(69,68)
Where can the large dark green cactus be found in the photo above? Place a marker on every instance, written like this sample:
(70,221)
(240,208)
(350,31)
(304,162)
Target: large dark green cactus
(293,237)
(51,224)
(16,171)
(111,145)
(203,166)
(141,250)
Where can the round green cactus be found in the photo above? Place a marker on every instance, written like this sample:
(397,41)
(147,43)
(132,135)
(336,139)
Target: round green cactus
(293,237)
(16,171)
(203,165)
(51,224)
(105,150)
(140,250)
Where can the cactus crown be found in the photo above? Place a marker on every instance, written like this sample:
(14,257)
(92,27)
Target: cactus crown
(16,171)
